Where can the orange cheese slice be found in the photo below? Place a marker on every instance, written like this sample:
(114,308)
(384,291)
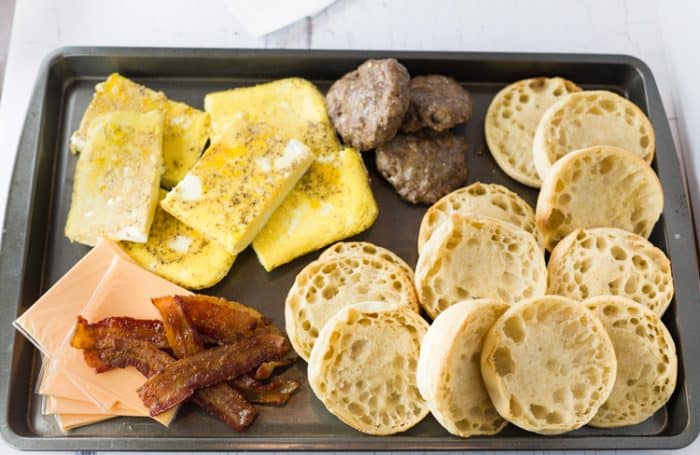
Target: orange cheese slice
(125,290)
(103,283)
(69,421)
(57,405)
(58,384)
(51,318)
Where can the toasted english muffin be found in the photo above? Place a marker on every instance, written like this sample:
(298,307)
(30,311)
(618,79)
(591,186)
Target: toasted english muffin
(449,368)
(479,200)
(548,365)
(601,261)
(512,119)
(363,367)
(598,187)
(327,285)
(342,248)
(587,119)
(469,258)
(647,364)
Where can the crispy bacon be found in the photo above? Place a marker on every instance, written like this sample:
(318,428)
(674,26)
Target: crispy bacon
(265,370)
(223,321)
(219,400)
(276,391)
(179,380)
(217,320)
(188,323)
(182,338)
(93,336)
(126,352)
(228,404)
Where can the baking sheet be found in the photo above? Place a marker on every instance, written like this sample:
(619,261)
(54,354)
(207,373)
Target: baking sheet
(36,253)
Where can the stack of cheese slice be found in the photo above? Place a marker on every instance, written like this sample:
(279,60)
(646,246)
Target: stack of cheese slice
(103,283)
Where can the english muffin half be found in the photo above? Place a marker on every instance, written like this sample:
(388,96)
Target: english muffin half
(325,286)
(342,248)
(449,368)
(647,366)
(479,200)
(363,367)
(589,118)
(469,258)
(602,261)
(511,121)
(598,187)
(548,365)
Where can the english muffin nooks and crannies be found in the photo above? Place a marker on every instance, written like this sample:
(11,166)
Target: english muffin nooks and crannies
(598,187)
(512,119)
(647,366)
(343,248)
(449,368)
(327,285)
(589,118)
(468,258)
(479,200)
(548,365)
(593,262)
(363,367)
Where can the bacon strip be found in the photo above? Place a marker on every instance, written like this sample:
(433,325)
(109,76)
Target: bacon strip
(222,320)
(179,380)
(278,391)
(220,400)
(217,320)
(92,336)
(182,338)
(265,370)
(127,352)
(228,404)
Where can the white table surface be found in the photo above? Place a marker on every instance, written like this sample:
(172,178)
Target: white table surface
(662,34)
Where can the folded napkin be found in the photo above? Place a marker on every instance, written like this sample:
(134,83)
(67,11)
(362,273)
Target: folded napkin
(260,17)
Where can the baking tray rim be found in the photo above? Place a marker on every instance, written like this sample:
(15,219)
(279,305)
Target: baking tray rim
(13,258)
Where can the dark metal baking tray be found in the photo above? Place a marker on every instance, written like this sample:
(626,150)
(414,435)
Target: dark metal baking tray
(35,253)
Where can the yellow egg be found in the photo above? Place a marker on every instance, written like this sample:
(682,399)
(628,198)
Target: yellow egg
(333,200)
(180,254)
(185,129)
(125,171)
(241,179)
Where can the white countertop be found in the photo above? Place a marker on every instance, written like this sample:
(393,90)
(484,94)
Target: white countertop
(665,38)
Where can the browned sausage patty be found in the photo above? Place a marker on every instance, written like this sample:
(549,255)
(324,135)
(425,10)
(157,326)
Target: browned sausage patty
(437,102)
(367,105)
(423,166)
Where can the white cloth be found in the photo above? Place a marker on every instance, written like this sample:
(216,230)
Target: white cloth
(259,17)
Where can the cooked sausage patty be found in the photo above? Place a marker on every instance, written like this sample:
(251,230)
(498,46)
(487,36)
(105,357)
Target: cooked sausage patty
(423,166)
(437,102)
(368,105)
